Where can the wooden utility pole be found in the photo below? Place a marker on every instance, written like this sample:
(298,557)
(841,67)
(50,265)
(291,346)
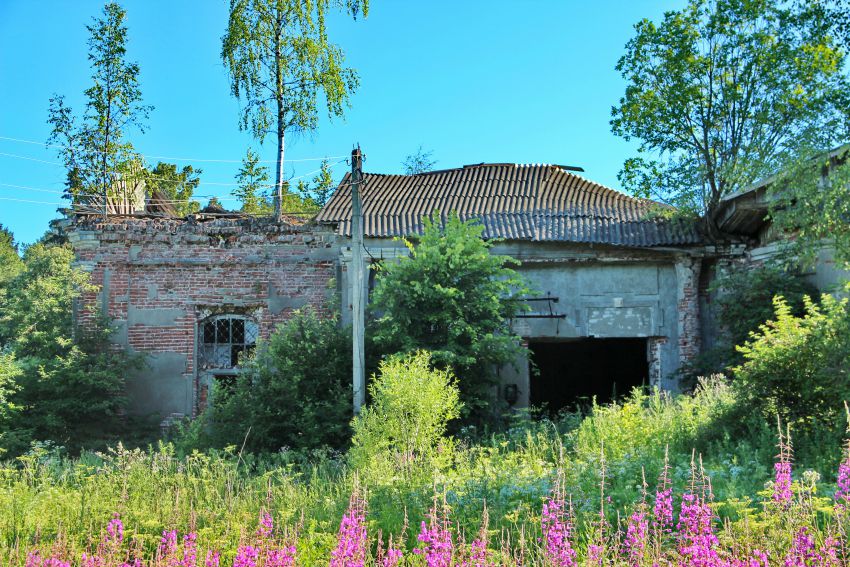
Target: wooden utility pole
(358,289)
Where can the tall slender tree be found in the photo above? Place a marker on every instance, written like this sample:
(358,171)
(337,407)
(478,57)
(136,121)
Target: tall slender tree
(280,59)
(252,178)
(94,147)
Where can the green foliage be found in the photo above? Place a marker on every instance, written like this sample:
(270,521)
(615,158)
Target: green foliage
(720,94)
(317,192)
(222,492)
(175,186)
(66,383)
(797,367)
(454,299)
(294,392)
(811,201)
(403,426)
(745,302)
(418,162)
(253,178)
(280,60)
(94,146)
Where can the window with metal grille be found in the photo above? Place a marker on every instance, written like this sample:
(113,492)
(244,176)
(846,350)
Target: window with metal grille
(223,338)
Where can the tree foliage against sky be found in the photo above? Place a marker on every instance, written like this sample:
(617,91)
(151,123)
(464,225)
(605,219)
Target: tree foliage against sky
(253,182)
(418,162)
(94,147)
(725,92)
(280,61)
(452,298)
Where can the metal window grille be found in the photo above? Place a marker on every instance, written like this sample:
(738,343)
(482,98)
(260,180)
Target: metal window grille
(223,339)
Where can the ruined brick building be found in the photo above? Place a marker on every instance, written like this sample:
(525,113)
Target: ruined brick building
(619,291)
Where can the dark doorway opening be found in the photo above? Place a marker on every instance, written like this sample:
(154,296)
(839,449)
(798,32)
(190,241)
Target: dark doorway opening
(565,374)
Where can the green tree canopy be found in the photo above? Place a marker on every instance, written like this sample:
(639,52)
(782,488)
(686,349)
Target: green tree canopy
(452,298)
(723,93)
(94,146)
(280,60)
(253,182)
(176,186)
(64,381)
(810,204)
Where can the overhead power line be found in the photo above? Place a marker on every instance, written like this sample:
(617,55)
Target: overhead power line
(204,160)
(179,181)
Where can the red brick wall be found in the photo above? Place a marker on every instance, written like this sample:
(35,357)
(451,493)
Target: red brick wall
(160,277)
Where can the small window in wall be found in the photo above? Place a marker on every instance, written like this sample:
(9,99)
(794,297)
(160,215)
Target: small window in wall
(223,338)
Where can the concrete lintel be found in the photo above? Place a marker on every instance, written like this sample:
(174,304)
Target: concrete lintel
(154,317)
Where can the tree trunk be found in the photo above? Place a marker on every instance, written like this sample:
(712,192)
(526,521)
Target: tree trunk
(281,148)
(281,123)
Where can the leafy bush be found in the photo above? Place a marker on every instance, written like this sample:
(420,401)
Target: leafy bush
(294,392)
(745,299)
(799,367)
(403,426)
(67,380)
(454,299)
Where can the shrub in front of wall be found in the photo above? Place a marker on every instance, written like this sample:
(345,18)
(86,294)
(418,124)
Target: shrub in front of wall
(799,367)
(294,392)
(404,426)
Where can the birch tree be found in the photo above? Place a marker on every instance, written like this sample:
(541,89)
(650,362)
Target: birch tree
(280,59)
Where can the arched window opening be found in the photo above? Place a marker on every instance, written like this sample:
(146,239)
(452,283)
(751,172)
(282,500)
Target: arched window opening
(223,338)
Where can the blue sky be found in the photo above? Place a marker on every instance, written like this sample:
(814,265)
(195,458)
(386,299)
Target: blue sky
(526,81)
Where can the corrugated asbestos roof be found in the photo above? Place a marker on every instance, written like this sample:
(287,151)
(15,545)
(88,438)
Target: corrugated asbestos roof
(513,202)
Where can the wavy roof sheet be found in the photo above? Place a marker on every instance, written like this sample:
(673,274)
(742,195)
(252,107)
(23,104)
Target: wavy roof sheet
(513,202)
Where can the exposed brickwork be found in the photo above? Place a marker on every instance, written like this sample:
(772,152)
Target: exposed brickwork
(160,277)
(688,308)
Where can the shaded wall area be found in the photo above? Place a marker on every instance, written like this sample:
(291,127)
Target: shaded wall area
(572,373)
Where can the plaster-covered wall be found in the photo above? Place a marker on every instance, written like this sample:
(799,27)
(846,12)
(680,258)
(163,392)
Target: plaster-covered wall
(601,291)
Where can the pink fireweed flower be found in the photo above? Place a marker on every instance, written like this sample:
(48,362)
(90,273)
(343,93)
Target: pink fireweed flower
(478,556)
(393,555)
(697,541)
(802,552)
(351,544)
(436,539)
(757,559)
(829,552)
(782,493)
(246,556)
(168,543)
(392,558)
(662,511)
(114,530)
(213,559)
(782,483)
(92,560)
(842,493)
(190,550)
(266,527)
(637,532)
(280,557)
(34,559)
(594,554)
(557,529)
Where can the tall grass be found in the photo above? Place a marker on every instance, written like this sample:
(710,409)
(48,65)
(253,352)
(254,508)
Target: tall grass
(45,498)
